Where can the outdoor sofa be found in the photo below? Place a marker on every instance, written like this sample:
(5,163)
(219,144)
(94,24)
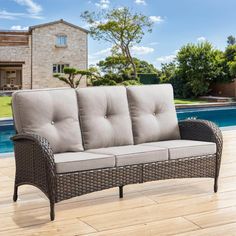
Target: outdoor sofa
(73,142)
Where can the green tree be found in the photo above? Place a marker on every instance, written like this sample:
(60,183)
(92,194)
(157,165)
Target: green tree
(230,53)
(230,58)
(73,76)
(198,66)
(103,82)
(232,68)
(115,64)
(231,40)
(116,70)
(168,72)
(143,67)
(120,27)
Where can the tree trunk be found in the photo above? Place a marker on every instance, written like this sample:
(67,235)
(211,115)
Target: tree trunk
(134,68)
(130,58)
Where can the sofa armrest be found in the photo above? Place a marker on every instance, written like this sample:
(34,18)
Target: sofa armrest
(202,130)
(34,162)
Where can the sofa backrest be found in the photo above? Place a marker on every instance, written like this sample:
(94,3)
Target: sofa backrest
(100,116)
(153,113)
(52,114)
(104,117)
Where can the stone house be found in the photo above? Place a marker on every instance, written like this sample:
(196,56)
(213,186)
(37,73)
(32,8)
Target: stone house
(28,59)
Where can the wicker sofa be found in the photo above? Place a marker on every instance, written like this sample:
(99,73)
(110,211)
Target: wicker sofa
(73,142)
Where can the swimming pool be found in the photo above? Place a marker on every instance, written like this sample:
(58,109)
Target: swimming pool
(222,116)
(6,132)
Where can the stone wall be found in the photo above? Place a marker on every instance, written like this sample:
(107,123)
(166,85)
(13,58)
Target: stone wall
(224,89)
(22,54)
(45,53)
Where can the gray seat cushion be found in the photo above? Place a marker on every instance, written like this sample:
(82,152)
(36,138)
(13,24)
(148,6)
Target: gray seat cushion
(153,113)
(52,114)
(134,154)
(80,161)
(104,117)
(185,148)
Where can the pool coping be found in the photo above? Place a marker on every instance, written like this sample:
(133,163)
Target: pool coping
(207,104)
(7,155)
(6,118)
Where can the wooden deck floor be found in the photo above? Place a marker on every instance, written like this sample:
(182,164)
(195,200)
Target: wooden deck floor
(171,207)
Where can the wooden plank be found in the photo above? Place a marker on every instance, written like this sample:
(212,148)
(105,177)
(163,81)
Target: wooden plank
(214,218)
(160,228)
(13,40)
(156,208)
(13,44)
(189,190)
(161,211)
(222,230)
(14,32)
(40,227)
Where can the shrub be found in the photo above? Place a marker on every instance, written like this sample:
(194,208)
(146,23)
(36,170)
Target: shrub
(149,78)
(130,82)
(115,77)
(232,68)
(103,81)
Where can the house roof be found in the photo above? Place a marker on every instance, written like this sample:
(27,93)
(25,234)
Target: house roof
(56,22)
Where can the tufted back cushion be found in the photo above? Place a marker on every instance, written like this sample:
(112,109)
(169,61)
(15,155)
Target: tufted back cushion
(104,117)
(153,113)
(52,114)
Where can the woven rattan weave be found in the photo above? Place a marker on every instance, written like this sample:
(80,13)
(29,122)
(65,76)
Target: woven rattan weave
(35,166)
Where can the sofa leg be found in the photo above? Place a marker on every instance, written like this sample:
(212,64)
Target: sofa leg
(15,194)
(216,185)
(121,191)
(52,211)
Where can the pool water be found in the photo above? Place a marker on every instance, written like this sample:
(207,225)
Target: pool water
(6,132)
(222,116)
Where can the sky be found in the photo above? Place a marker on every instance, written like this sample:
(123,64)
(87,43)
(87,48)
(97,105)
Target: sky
(176,22)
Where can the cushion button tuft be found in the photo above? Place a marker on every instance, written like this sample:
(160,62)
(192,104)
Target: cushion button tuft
(52,123)
(105,116)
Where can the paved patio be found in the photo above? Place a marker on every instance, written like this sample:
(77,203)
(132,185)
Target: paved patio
(170,207)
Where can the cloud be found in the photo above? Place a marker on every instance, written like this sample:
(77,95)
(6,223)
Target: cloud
(33,10)
(137,50)
(176,51)
(19,27)
(165,59)
(141,50)
(156,19)
(140,2)
(10,15)
(94,58)
(153,43)
(104,52)
(201,39)
(103,4)
(32,7)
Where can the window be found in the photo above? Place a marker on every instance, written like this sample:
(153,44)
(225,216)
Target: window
(59,68)
(61,41)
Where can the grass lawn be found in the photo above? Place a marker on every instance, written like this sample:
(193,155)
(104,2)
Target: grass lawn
(5,107)
(189,101)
